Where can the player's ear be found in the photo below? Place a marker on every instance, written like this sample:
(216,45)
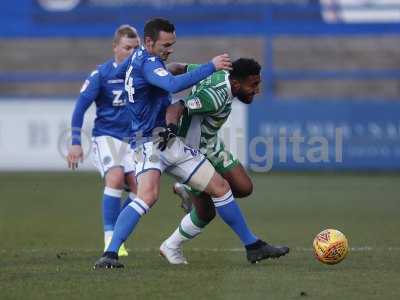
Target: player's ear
(235,84)
(148,42)
(114,48)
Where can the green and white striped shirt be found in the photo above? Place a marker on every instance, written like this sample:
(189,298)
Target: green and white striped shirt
(208,107)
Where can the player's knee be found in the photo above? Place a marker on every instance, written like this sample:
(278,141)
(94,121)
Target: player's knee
(217,186)
(115,178)
(149,194)
(149,198)
(244,191)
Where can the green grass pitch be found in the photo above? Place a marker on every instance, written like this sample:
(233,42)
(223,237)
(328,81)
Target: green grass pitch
(51,235)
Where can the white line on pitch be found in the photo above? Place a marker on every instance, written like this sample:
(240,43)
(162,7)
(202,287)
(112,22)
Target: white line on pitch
(300,249)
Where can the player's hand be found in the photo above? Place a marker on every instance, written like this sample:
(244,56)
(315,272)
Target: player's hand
(75,155)
(222,62)
(167,135)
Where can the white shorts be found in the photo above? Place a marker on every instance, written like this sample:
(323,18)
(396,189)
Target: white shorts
(178,159)
(109,152)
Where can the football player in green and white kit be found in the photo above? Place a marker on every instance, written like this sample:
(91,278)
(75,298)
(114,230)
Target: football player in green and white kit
(199,117)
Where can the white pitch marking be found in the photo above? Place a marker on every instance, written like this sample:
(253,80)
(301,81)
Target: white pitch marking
(294,249)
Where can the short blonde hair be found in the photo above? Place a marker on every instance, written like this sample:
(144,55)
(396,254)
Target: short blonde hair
(125,30)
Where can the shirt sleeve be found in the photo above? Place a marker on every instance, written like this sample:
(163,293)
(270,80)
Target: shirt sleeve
(156,74)
(206,100)
(88,94)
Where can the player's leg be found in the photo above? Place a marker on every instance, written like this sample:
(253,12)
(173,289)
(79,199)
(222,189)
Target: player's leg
(192,224)
(230,168)
(203,211)
(200,174)
(239,181)
(204,178)
(226,206)
(130,182)
(114,179)
(203,208)
(130,176)
(148,183)
(130,187)
(230,212)
(112,170)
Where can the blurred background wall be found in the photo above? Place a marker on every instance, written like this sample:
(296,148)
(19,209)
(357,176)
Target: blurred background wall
(331,70)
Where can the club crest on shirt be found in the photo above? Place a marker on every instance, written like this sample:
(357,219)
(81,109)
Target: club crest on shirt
(161,72)
(194,103)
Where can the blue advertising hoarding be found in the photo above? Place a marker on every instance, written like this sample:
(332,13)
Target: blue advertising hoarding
(89,18)
(97,17)
(320,134)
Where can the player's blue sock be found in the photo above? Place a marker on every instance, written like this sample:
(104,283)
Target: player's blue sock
(111,207)
(230,212)
(128,200)
(126,222)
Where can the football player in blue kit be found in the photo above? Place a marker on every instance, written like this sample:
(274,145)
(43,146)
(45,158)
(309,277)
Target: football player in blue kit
(110,152)
(149,86)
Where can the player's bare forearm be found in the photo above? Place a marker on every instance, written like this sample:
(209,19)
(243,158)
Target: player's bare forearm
(174,112)
(176,68)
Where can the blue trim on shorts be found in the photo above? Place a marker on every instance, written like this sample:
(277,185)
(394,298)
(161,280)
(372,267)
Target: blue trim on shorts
(141,172)
(113,167)
(144,158)
(195,170)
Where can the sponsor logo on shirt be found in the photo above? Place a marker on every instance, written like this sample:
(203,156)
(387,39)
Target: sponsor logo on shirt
(194,103)
(161,72)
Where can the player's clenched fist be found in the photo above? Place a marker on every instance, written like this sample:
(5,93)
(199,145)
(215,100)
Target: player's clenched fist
(222,62)
(75,155)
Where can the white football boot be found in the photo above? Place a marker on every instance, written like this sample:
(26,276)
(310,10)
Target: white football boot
(173,255)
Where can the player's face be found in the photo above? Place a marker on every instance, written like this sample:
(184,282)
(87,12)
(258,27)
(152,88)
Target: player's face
(163,46)
(124,47)
(249,87)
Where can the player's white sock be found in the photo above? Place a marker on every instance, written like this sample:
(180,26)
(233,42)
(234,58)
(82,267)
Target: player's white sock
(108,236)
(187,230)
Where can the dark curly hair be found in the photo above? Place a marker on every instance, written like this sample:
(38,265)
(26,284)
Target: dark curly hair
(244,67)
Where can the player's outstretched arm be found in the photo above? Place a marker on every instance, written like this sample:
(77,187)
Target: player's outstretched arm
(75,153)
(176,68)
(88,94)
(157,75)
